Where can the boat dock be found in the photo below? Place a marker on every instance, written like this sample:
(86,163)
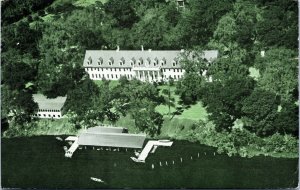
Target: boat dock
(142,157)
(74,146)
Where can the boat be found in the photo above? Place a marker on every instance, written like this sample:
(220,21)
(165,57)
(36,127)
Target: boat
(97,180)
(137,160)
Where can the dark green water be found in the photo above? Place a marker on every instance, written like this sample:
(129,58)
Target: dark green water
(39,162)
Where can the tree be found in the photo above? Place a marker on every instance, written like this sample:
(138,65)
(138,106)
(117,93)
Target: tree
(200,20)
(122,11)
(146,118)
(17,72)
(195,76)
(260,110)
(278,26)
(287,120)
(17,106)
(168,99)
(223,100)
(279,71)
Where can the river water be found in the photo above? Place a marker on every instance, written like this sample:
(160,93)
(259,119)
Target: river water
(39,162)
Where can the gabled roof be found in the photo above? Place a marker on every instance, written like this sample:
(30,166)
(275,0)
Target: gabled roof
(167,55)
(122,140)
(49,103)
(100,129)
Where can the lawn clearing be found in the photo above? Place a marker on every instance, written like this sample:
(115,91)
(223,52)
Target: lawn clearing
(254,73)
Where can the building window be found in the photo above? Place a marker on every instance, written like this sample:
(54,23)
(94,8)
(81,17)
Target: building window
(49,115)
(53,115)
(100,61)
(115,69)
(89,61)
(44,115)
(92,75)
(101,69)
(112,76)
(58,115)
(120,69)
(108,76)
(111,61)
(169,69)
(103,75)
(39,114)
(116,76)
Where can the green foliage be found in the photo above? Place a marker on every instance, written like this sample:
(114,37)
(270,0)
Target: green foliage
(279,24)
(261,110)
(281,143)
(199,22)
(21,37)
(13,11)
(279,71)
(146,118)
(122,11)
(224,101)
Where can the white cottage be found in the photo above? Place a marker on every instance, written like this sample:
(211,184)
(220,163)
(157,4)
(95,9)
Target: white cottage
(49,107)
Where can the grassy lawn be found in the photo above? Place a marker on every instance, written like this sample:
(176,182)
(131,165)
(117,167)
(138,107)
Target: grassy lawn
(254,73)
(194,112)
(112,83)
(85,3)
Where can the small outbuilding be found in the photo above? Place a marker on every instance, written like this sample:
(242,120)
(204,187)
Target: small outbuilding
(49,107)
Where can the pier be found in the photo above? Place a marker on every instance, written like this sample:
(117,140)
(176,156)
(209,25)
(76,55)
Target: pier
(142,157)
(73,147)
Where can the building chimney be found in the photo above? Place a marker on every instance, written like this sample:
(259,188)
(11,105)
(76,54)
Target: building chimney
(118,48)
(262,53)
(142,47)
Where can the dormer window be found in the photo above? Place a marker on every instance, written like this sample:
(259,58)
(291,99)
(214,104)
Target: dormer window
(122,61)
(163,61)
(140,61)
(175,62)
(155,61)
(149,61)
(111,61)
(132,61)
(100,61)
(89,61)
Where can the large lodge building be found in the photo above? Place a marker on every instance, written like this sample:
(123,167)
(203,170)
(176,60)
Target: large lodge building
(145,65)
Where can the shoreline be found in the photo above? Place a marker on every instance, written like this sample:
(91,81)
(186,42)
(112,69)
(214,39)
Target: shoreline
(253,153)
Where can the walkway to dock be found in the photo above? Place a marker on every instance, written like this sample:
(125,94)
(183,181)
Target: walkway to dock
(150,145)
(72,149)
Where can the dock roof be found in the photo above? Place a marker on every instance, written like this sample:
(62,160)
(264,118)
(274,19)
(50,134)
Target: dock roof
(102,129)
(49,103)
(122,140)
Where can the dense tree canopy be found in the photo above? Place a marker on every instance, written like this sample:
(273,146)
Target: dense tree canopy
(43,45)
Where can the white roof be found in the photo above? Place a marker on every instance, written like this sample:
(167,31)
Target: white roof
(49,103)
